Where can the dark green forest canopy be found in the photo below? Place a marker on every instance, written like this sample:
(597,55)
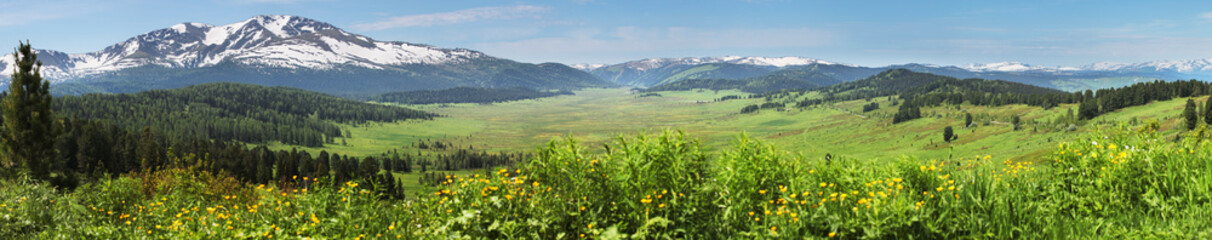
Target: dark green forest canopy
(906,82)
(233,111)
(466,95)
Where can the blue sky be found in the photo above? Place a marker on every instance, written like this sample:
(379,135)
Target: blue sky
(872,33)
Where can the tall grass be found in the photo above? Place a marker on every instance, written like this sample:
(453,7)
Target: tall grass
(1118,183)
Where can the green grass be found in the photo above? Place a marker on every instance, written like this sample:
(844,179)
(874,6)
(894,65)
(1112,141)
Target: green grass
(596,116)
(412,180)
(376,138)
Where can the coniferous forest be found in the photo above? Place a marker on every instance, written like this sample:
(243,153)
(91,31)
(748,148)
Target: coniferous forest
(233,112)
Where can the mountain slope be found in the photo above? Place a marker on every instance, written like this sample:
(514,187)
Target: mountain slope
(657,71)
(798,78)
(653,72)
(293,51)
(906,82)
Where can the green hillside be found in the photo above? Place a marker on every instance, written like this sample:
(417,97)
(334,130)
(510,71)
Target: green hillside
(674,73)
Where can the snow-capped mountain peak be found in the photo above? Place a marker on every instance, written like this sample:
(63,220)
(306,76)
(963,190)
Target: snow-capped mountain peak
(1182,66)
(266,40)
(652,63)
(587,66)
(1012,66)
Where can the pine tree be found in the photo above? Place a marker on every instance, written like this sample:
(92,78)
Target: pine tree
(1087,110)
(948,134)
(1190,115)
(148,149)
(1208,111)
(322,165)
(967,120)
(29,135)
(307,166)
(368,168)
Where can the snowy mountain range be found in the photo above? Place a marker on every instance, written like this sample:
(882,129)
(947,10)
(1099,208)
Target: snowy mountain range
(1181,66)
(282,50)
(278,42)
(656,71)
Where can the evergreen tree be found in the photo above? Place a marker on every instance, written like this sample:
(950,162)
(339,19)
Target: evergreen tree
(967,120)
(407,163)
(307,167)
(1208,111)
(948,134)
(368,168)
(322,165)
(148,149)
(29,127)
(287,165)
(1087,110)
(1190,115)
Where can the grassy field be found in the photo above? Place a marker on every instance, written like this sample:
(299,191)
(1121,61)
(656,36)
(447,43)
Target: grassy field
(1108,178)
(596,116)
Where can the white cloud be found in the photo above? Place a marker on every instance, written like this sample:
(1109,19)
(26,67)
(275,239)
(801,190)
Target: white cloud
(455,17)
(1206,16)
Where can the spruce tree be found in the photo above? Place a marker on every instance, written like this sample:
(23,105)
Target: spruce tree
(148,149)
(967,120)
(29,135)
(948,134)
(307,166)
(1208,111)
(322,165)
(368,168)
(1190,115)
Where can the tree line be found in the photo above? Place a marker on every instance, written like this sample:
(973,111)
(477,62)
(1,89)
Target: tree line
(466,95)
(232,111)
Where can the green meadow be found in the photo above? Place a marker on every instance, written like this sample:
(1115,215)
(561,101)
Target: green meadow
(598,116)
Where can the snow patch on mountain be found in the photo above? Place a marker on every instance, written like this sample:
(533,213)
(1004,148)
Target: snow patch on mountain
(587,66)
(652,63)
(1181,66)
(267,40)
(1013,67)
